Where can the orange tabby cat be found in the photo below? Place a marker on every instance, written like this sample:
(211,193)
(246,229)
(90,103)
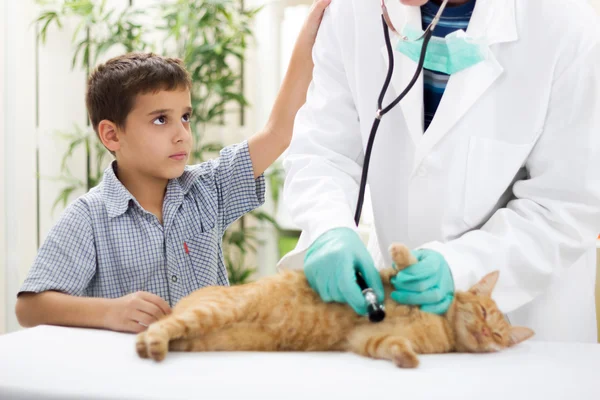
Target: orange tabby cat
(283,313)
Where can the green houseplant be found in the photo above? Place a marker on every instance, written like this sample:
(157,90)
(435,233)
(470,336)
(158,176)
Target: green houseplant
(211,37)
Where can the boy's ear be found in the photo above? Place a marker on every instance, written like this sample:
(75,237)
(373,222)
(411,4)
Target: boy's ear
(107,131)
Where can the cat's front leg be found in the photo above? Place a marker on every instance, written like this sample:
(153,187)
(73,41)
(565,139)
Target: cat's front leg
(154,342)
(383,345)
(188,323)
(140,345)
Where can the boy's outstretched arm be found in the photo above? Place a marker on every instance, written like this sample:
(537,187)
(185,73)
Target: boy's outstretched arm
(266,146)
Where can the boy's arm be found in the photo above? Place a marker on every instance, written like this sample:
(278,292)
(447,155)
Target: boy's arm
(63,269)
(55,308)
(238,171)
(266,146)
(132,313)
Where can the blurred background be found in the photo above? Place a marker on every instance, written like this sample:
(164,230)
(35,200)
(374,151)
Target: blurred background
(237,52)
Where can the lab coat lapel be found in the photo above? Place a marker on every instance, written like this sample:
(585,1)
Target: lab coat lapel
(495,21)
(404,70)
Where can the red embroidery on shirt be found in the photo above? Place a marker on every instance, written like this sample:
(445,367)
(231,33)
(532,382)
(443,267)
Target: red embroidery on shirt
(185,247)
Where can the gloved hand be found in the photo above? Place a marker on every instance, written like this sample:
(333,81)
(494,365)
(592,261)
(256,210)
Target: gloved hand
(330,266)
(428,283)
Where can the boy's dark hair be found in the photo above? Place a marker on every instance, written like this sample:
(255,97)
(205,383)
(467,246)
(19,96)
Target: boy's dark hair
(113,86)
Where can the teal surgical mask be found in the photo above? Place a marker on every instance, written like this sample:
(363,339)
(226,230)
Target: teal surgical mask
(449,55)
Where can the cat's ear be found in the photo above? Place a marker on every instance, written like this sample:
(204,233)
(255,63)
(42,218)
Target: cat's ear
(486,285)
(519,334)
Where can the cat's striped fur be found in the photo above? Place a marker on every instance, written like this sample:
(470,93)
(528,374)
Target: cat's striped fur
(282,313)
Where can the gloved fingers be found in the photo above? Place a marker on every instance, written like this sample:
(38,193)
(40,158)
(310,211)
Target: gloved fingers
(440,307)
(373,280)
(313,280)
(356,300)
(420,270)
(325,294)
(420,254)
(431,296)
(366,266)
(320,280)
(333,289)
(401,282)
(352,292)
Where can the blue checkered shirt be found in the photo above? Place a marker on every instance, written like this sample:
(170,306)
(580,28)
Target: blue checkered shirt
(106,245)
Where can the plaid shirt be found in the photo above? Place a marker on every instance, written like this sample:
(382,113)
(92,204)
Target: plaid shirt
(106,245)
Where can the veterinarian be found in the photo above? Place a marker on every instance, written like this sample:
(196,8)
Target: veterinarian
(491,162)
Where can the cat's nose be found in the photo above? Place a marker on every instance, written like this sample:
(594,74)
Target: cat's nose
(485,331)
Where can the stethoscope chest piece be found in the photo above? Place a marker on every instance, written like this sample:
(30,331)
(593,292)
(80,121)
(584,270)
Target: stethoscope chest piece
(375,310)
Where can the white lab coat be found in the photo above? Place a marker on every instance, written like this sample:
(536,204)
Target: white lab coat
(507,176)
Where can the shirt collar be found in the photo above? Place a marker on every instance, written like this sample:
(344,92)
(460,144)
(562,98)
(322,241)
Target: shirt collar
(463,10)
(116,196)
(118,199)
(494,20)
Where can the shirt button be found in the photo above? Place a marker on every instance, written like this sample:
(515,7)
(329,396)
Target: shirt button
(174,278)
(422,171)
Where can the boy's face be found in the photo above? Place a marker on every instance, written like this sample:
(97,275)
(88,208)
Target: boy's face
(156,140)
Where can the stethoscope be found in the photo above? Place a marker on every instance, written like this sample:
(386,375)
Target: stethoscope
(374,308)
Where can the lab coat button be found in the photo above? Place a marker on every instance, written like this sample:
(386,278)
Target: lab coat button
(422,171)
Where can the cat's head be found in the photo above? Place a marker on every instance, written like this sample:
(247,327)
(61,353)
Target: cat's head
(478,325)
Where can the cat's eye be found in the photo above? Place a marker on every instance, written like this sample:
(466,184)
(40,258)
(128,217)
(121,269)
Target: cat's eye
(484,312)
(498,336)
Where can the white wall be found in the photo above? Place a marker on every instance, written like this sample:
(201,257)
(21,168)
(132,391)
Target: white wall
(19,147)
(2,186)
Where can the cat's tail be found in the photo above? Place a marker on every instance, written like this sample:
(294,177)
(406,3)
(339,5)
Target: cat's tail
(401,256)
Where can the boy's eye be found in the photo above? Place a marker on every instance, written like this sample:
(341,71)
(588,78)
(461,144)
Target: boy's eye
(186,118)
(160,120)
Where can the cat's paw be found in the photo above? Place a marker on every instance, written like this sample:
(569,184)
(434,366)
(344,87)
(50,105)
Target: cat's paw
(401,256)
(403,358)
(140,345)
(157,343)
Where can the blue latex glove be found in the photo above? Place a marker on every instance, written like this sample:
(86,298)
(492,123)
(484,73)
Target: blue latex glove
(428,283)
(330,266)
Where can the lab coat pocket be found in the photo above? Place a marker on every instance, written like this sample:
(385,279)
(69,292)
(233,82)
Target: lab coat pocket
(202,255)
(492,167)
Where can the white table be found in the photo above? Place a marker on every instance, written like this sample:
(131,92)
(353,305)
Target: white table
(66,363)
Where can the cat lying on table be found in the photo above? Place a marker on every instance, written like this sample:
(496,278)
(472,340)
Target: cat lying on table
(282,313)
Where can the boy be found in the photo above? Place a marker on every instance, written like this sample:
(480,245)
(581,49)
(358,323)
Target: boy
(124,253)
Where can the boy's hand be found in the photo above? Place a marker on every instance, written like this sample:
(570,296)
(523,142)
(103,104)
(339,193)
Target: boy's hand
(308,33)
(301,63)
(135,312)
(266,146)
